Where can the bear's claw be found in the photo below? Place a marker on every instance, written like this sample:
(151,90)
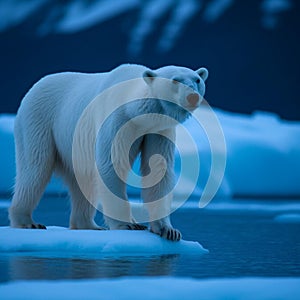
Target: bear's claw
(33,226)
(133,226)
(168,233)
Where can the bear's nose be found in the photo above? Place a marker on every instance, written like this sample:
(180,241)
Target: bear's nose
(193,99)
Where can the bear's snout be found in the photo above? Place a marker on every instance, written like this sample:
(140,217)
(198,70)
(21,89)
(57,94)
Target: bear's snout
(193,99)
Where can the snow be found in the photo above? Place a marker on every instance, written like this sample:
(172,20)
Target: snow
(215,9)
(182,13)
(73,16)
(263,156)
(68,17)
(155,288)
(80,16)
(149,15)
(276,6)
(14,12)
(271,11)
(65,242)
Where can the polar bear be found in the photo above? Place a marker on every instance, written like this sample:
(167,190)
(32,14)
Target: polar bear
(44,132)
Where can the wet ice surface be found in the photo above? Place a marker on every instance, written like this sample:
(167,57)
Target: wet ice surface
(155,288)
(63,242)
(241,242)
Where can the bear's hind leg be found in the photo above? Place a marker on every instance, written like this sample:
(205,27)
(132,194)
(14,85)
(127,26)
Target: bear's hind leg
(115,205)
(25,199)
(35,155)
(83,212)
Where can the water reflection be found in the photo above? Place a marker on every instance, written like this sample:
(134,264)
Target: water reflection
(31,267)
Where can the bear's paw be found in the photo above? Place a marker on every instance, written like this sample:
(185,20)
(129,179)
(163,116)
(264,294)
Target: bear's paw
(167,232)
(33,226)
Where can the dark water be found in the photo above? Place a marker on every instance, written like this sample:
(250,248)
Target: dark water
(241,242)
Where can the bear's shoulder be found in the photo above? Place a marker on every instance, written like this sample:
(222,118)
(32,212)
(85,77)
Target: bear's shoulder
(130,70)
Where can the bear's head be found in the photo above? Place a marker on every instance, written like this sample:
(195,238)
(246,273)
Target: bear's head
(183,87)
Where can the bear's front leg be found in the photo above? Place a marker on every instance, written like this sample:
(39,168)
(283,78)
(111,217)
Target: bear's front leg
(159,216)
(113,168)
(159,149)
(115,206)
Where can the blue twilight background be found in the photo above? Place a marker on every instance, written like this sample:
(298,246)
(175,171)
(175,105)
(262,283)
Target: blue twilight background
(251,48)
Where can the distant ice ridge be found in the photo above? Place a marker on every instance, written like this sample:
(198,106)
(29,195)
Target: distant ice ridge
(154,10)
(14,12)
(65,242)
(79,15)
(155,288)
(76,15)
(263,156)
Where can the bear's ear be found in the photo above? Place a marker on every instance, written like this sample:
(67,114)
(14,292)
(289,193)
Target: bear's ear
(203,73)
(149,76)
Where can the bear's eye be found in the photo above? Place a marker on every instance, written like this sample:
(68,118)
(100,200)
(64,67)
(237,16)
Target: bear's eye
(198,80)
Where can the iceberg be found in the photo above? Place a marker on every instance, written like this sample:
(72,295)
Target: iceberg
(263,155)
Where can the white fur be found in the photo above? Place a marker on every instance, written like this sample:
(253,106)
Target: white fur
(44,129)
